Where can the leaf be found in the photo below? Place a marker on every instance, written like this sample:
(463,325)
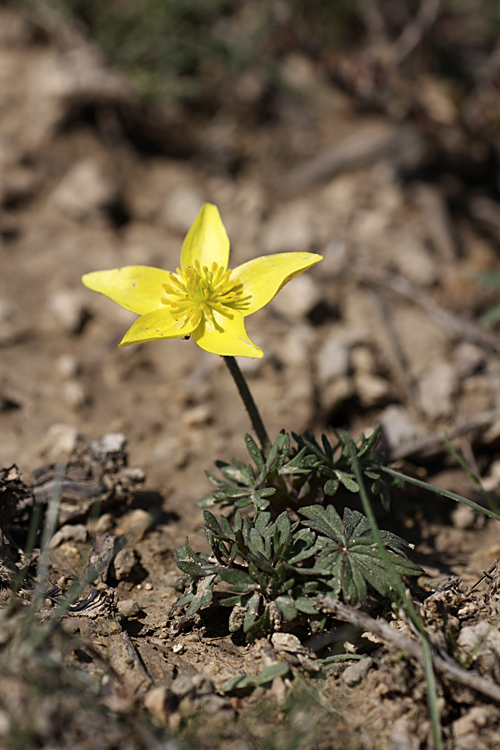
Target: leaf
(325,520)
(255,452)
(306,605)
(237,578)
(348,481)
(286,605)
(256,542)
(211,523)
(331,486)
(252,612)
(240,682)
(270,673)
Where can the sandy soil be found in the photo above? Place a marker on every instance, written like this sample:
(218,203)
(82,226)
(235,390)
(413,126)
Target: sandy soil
(383,331)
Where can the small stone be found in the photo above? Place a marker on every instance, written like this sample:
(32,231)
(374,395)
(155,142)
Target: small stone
(135,524)
(128,608)
(193,686)
(290,229)
(124,563)
(68,309)
(197,416)
(74,394)
(156,702)
(436,388)
(181,208)
(413,260)
(84,191)
(333,359)
(59,442)
(69,532)
(297,298)
(67,366)
(337,392)
(469,358)
(372,390)
(472,721)
(362,360)
(463,517)
(399,428)
(356,673)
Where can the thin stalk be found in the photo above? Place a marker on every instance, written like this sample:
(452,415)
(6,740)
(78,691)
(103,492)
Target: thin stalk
(249,403)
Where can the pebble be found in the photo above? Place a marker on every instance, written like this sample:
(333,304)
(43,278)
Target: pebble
(297,298)
(356,673)
(74,394)
(334,359)
(399,428)
(197,416)
(67,366)
(413,260)
(181,208)
(128,608)
(124,563)
(289,230)
(372,390)
(463,517)
(59,442)
(469,358)
(85,191)
(68,309)
(482,641)
(436,388)
(136,523)
(74,532)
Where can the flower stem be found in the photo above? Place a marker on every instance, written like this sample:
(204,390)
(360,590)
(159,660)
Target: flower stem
(249,403)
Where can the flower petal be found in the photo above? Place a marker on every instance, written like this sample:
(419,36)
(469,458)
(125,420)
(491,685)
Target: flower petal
(136,288)
(226,337)
(156,325)
(206,241)
(263,277)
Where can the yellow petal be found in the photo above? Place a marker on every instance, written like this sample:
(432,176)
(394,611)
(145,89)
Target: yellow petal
(226,337)
(136,288)
(156,325)
(263,277)
(206,241)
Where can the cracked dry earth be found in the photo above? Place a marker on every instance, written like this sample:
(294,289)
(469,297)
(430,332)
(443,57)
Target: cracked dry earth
(381,332)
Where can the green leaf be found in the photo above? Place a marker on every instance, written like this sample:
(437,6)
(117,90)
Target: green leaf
(240,682)
(331,486)
(255,452)
(256,543)
(211,523)
(237,578)
(306,605)
(348,481)
(287,606)
(270,673)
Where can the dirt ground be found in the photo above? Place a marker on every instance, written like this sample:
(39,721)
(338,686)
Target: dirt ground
(384,331)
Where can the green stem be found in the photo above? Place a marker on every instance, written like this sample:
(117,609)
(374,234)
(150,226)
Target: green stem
(250,405)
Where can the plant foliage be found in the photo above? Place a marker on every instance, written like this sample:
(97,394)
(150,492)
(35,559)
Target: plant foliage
(271,565)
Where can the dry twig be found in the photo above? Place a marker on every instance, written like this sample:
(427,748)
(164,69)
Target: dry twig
(401,642)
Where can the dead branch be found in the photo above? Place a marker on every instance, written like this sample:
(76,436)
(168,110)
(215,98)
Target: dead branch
(414,32)
(401,642)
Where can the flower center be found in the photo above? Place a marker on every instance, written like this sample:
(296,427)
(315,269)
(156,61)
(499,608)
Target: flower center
(197,292)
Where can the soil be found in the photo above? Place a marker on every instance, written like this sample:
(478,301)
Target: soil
(384,330)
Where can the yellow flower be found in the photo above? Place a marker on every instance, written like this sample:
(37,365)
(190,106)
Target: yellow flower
(203,297)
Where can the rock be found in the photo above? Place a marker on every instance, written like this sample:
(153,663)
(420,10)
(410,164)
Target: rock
(413,260)
(399,429)
(124,563)
(76,532)
(59,442)
(181,208)
(156,701)
(74,394)
(356,673)
(289,230)
(67,366)
(472,721)
(436,388)
(297,298)
(333,359)
(337,392)
(192,686)
(463,517)
(469,358)
(128,608)
(135,524)
(85,191)
(372,390)
(482,641)
(68,309)
(197,416)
